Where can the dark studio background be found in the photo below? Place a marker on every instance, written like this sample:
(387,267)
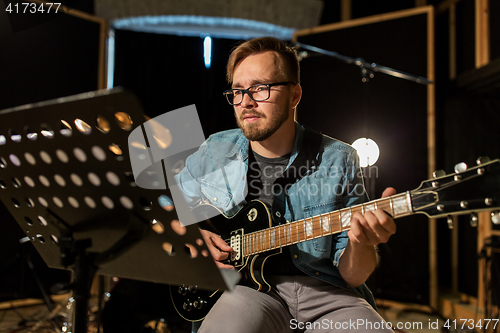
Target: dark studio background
(59,58)
(392,112)
(39,60)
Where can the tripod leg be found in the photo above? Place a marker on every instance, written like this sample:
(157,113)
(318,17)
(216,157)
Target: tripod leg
(40,285)
(84,273)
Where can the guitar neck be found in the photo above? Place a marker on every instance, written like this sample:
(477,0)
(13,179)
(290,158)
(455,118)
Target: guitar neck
(398,205)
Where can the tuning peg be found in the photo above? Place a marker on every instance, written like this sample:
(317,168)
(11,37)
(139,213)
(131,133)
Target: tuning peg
(482,160)
(449,220)
(473,220)
(460,167)
(438,173)
(495,217)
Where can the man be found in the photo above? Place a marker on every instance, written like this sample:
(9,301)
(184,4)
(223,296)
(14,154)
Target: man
(317,285)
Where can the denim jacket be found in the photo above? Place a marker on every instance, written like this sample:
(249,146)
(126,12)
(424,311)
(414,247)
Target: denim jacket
(217,173)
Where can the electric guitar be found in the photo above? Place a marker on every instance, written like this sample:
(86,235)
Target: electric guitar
(254,238)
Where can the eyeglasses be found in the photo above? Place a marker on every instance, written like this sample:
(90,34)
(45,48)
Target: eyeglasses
(257,92)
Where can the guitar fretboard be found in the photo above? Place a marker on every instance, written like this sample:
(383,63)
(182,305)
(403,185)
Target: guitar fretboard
(398,205)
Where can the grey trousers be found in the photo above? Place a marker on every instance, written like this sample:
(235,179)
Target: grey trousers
(298,304)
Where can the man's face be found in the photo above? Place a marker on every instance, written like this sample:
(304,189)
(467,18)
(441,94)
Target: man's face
(260,120)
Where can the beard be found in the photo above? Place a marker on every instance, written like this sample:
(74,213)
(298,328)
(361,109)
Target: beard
(252,131)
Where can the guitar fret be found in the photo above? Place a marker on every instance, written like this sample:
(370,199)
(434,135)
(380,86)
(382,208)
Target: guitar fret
(325,224)
(257,235)
(278,236)
(345,218)
(261,241)
(309,228)
(335,224)
(392,206)
(285,235)
(320,227)
(256,241)
(251,243)
(369,207)
(273,240)
(288,236)
(340,221)
(248,244)
(400,205)
(289,232)
(303,229)
(298,238)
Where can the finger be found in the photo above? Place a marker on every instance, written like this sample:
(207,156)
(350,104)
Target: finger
(388,192)
(368,225)
(212,239)
(379,227)
(224,266)
(356,233)
(385,221)
(220,243)
(365,221)
(356,228)
(218,254)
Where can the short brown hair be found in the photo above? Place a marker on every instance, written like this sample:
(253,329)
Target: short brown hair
(288,66)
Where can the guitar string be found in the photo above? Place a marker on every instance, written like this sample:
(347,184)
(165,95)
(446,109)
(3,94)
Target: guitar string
(316,230)
(416,194)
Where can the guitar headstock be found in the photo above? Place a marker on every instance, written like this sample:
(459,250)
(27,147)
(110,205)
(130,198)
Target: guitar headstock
(466,191)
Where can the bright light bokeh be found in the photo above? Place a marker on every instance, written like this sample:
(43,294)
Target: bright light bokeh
(207,54)
(367,150)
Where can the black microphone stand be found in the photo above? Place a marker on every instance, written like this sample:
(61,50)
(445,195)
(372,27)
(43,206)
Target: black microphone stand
(367,68)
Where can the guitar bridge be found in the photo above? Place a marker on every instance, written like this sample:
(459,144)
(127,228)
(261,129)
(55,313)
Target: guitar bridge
(235,243)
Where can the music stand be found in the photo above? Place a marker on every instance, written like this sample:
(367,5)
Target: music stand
(65,176)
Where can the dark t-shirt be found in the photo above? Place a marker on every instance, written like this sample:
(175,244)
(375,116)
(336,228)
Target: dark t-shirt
(263,172)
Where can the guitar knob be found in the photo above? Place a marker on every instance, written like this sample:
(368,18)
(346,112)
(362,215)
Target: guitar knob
(193,289)
(473,220)
(183,290)
(199,303)
(438,173)
(460,167)
(495,217)
(482,160)
(188,306)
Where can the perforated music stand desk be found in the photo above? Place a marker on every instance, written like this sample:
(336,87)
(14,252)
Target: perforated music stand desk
(66,177)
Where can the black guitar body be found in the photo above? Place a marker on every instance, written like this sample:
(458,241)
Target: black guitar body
(253,217)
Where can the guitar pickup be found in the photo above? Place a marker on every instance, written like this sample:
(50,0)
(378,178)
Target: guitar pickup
(236,244)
